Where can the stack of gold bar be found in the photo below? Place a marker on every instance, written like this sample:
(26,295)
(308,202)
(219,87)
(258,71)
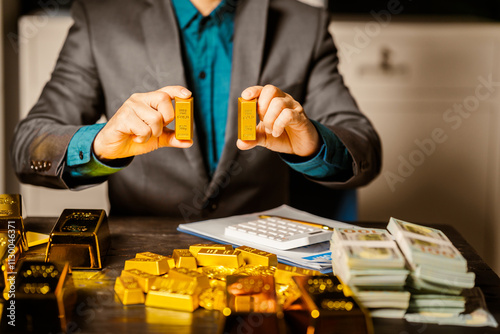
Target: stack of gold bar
(42,300)
(80,237)
(13,240)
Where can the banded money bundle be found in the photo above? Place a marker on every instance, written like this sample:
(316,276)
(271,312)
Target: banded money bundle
(370,263)
(439,272)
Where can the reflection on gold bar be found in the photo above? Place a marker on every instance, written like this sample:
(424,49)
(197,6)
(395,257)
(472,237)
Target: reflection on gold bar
(194,249)
(128,290)
(144,280)
(185,274)
(247,119)
(213,298)
(80,237)
(11,217)
(184,259)
(151,265)
(174,294)
(258,257)
(251,294)
(217,257)
(287,294)
(329,308)
(184,118)
(44,297)
(284,273)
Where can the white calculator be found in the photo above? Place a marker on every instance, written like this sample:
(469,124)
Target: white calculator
(277,233)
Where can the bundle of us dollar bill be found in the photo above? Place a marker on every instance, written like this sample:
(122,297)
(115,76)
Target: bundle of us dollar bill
(370,263)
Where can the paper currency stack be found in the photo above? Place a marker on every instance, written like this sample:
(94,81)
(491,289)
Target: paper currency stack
(370,263)
(439,272)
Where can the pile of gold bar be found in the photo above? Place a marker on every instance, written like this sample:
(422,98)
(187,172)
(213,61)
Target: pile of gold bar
(242,283)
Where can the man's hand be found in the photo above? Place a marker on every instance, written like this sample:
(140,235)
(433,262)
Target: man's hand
(283,126)
(138,127)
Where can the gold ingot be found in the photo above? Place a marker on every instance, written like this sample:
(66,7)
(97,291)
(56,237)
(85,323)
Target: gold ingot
(194,249)
(213,298)
(184,118)
(258,257)
(144,280)
(174,294)
(251,294)
(129,291)
(184,259)
(247,119)
(80,237)
(284,273)
(217,257)
(11,217)
(185,274)
(153,266)
(216,272)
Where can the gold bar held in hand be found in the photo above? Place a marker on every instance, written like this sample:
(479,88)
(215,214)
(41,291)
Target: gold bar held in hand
(218,257)
(80,237)
(247,119)
(128,290)
(258,257)
(184,118)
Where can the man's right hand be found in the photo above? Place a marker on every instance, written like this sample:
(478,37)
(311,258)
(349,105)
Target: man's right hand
(139,126)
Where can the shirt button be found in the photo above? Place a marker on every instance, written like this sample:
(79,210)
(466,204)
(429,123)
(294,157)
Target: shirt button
(81,155)
(202,75)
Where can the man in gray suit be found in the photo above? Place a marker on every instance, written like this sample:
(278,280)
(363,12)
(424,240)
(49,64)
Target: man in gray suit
(127,60)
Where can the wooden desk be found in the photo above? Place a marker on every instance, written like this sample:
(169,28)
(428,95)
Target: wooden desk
(99,311)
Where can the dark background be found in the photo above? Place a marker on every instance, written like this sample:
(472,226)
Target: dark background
(478,9)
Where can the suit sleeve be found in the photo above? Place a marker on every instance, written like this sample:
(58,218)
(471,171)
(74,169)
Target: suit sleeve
(72,98)
(329,102)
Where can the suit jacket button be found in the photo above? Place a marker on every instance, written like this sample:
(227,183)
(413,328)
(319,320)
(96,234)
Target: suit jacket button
(81,155)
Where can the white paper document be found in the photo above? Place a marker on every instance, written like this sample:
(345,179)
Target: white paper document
(316,256)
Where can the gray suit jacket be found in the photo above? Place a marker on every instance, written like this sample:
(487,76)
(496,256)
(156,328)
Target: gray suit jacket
(119,47)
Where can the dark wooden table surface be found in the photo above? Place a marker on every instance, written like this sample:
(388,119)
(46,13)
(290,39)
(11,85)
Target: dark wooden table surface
(99,311)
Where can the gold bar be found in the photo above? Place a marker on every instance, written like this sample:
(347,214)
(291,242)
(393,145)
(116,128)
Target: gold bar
(128,290)
(247,119)
(251,294)
(144,280)
(174,294)
(217,257)
(80,237)
(184,118)
(11,217)
(184,259)
(328,307)
(284,273)
(258,257)
(151,265)
(194,249)
(44,297)
(185,274)
(213,298)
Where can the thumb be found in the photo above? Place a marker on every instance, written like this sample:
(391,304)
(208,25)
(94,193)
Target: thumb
(167,139)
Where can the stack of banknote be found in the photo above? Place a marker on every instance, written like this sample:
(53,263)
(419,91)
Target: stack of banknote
(439,272)
(369,262)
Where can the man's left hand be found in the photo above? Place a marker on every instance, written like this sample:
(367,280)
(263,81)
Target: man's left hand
(283,126)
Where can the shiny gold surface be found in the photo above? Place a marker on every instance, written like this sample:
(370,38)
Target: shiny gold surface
(217,257)
(80,237)
(150,265)
(144,280)
(184,259)
(194,249)
(258,257)
(185,274)
(184,118)
(11,217)
(251,294)
(129,291)
(284,273)
(247,119)
(174,294)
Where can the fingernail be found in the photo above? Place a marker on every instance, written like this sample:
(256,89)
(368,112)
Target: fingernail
(268,131)
(246,94)
(185,92)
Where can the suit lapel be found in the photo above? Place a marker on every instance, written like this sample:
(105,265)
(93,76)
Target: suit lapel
(248,48)
(163,44)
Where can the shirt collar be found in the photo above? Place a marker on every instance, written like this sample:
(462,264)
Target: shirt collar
(186,12)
